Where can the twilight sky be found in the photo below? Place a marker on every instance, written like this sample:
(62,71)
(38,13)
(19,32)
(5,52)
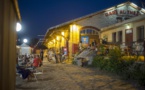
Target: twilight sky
(39,15)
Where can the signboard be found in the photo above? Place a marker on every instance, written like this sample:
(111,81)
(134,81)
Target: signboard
(122,12)
(85,39)
(128,31)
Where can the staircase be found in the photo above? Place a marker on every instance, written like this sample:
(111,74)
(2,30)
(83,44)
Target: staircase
(86,54)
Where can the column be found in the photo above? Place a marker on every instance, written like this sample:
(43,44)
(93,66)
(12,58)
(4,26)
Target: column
(117,39)
(8,21)
(74,38)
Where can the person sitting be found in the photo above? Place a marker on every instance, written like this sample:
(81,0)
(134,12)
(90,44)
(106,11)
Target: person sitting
(28,64)
(25,73)
(36,62)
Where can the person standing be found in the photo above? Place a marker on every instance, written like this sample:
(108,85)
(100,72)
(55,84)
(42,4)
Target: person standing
(80,45)
(96,50)
(41,54)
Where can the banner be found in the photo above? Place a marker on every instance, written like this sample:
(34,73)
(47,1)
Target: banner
(85,39)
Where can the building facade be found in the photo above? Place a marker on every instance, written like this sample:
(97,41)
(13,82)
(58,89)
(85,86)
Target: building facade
(127,32)
(123,24)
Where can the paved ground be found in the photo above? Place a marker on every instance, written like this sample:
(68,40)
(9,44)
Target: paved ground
(71,77)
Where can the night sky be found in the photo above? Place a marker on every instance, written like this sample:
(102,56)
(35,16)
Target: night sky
(39,15)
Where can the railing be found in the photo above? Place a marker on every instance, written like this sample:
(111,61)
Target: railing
(134,48)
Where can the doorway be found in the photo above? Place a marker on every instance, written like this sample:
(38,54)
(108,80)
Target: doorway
(128,37)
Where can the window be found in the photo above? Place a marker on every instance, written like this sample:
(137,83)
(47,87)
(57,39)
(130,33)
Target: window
(83,32)
(93,32)
(114,37)
(89,32)
(120,36)
(96,33)
(119,19)
(140,33)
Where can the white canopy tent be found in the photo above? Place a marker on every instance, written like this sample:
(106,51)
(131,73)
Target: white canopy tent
(25,49)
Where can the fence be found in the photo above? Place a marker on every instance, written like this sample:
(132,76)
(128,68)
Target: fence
(130,49)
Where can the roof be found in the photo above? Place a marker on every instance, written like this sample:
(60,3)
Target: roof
(39,45)
(16,7)
(24,45)
(138,18)
(102,21)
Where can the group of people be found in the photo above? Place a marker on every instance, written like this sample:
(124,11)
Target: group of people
(55,57)
(92,45)
(27,61)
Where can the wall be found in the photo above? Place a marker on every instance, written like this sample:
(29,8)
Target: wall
(123,27)
(136,24)
(8,21)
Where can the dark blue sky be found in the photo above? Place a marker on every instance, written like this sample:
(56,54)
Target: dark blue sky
(39,15)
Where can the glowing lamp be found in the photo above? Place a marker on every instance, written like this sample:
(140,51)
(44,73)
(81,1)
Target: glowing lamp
(25,40)
(18,27)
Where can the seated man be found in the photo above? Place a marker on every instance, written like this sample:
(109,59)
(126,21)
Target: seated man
(26,73)
(37,62)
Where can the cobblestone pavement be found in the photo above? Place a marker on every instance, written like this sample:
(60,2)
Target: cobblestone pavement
(71,77)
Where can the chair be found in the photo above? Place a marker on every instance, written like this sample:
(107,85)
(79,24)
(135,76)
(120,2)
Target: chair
(38,71)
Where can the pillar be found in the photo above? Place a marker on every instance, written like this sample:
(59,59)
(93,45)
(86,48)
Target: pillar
(74,39)
(8,19)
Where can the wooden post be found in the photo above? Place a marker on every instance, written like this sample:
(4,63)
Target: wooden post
(8,20)
(144,49)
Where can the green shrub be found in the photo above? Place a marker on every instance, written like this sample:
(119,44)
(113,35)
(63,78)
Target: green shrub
(128,68)
(74,62)
(114,59)
(102,49)
(138,72)
(96,61)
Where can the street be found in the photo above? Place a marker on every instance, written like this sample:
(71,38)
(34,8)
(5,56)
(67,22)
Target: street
(72,77)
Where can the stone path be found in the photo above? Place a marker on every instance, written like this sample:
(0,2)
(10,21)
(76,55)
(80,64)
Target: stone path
(71,77)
